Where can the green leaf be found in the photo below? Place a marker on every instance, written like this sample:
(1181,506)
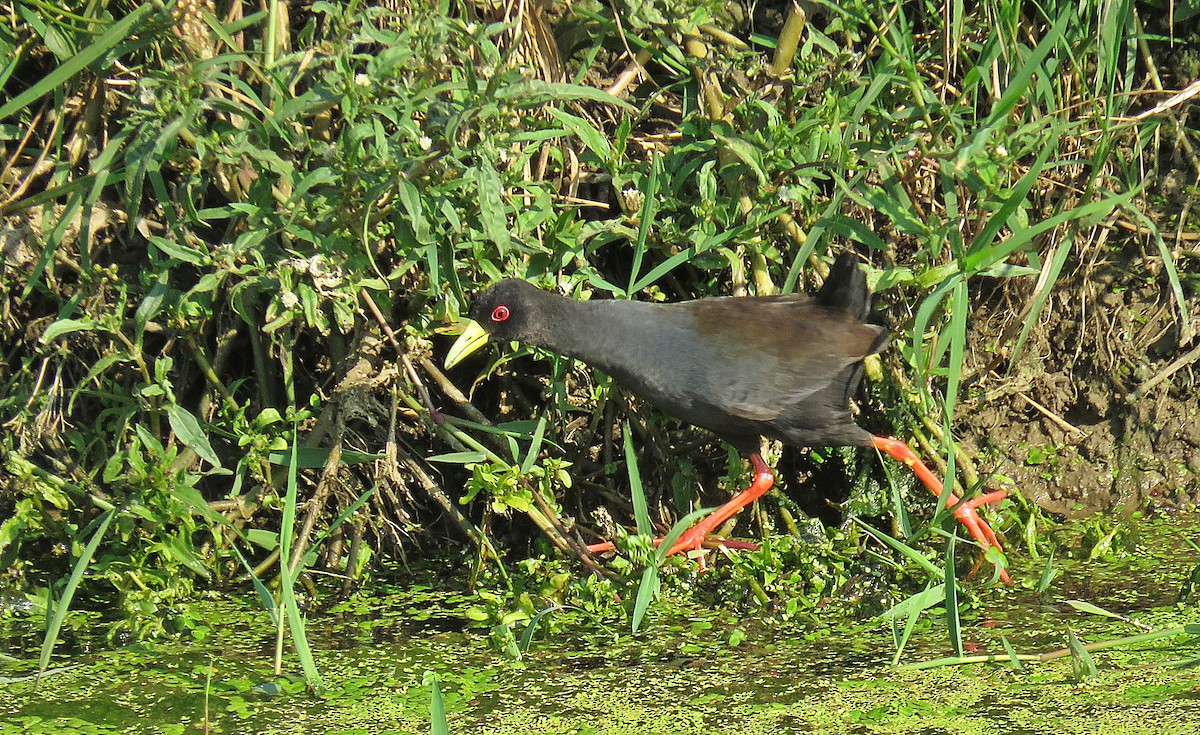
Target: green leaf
(647,590)
(314,178)
(1087,607)
(180,549)
(189,431)
(748,154)
(66,326)
(410,201)
(150,305)
(595,141)
(1008,270)
(641,512)
(178,252)
(458,457)
(1082,664)
(492,213)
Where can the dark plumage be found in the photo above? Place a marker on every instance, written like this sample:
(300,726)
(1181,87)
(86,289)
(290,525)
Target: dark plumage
(782,367)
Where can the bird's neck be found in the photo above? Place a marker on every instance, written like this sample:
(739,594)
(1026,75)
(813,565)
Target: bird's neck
(595,332)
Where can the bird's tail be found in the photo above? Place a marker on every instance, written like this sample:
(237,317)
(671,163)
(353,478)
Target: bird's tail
(846,288)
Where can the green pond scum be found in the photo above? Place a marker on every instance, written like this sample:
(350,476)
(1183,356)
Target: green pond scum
(693,668)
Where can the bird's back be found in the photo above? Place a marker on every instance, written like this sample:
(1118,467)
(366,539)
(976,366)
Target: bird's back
(778,366)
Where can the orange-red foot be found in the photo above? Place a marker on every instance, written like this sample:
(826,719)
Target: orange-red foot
(964,511)
(694,537)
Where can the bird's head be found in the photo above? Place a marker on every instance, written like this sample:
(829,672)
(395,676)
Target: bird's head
(504,312)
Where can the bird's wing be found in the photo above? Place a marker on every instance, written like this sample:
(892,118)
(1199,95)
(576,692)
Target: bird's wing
(776,351)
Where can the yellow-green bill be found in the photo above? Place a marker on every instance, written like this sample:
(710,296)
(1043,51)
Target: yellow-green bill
(472,338)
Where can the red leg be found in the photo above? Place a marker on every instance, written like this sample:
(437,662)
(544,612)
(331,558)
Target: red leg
(694,537)
(963,511)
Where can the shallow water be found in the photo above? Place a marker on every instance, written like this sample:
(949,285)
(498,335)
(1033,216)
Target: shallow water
(682,674)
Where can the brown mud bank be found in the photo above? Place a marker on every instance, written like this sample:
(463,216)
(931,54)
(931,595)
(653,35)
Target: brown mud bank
(1098,412)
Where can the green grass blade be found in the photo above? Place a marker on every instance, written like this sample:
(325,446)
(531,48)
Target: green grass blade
(592,138)
(958,344)
(953,622)
(458,457)
(1014,659)
(1015,198)
(527,635)
(1082,664)
(64,601)
(957,341)
(647,591)
(682,525)
(1048,574)
(437,711)
(929,597)
(288,575)
(342,517)
(107,41)
(925,313)
(911,609)
(905,550)
(1015,92)
(982,260)
(1087,607)
(645,221)
(535,446)
(264,595)
(1044,287)
(815,233)
(641,511)
(1186,329)
(538,92)
(910,624)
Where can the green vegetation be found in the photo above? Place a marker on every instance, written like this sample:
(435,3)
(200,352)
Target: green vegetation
(234,242)
(401,657)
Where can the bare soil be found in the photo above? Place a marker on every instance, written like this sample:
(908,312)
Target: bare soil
(1098,411)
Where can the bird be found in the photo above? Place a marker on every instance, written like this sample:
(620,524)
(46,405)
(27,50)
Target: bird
(780,367)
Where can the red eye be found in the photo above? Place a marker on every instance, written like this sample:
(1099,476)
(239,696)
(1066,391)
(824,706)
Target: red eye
(500,313)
